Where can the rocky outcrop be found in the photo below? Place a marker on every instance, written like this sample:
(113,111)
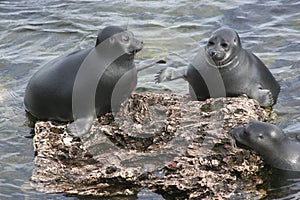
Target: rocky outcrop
(167,143)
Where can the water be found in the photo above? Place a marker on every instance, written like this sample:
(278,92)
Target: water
(33,32)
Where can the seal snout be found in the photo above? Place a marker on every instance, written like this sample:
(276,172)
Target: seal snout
(217,55)
(137,45)
(237,132)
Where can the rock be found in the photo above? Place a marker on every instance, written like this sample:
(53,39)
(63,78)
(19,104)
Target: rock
(167,143)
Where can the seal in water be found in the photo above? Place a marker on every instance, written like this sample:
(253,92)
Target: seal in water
(224,68)
(51,91)
(271,143)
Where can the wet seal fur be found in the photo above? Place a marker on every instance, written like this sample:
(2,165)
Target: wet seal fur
(271,143)
(48,95)
(240,71)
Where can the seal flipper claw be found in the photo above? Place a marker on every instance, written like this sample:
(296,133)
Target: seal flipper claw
(159,77)
(265,97)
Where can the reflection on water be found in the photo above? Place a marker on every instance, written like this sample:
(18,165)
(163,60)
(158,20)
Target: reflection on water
(34,32)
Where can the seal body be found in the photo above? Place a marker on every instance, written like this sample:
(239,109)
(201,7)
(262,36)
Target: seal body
(48,95)
(271,143)
(241,71)
(224,68)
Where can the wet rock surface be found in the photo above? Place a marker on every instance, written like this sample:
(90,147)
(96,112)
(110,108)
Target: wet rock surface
(173,146)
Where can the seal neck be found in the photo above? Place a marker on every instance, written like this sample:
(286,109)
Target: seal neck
(125,61)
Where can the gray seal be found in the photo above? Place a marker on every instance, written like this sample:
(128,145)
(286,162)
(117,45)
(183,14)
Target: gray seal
(271,143)
(49,93)
(241,72)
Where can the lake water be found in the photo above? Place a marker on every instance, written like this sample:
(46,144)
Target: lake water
(32,32)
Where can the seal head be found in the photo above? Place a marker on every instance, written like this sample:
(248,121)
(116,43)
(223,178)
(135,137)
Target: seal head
(271,143)
(258,134)
(223,46)
(108,32)
(122,38)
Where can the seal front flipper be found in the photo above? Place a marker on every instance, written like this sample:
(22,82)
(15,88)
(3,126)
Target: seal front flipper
(80,126)
(149,63)
(169,74)
(263,96)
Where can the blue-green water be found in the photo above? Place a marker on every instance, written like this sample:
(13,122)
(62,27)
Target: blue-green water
(33,32)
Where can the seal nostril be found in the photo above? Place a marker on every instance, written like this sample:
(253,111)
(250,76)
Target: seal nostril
(245,131)
(213,53)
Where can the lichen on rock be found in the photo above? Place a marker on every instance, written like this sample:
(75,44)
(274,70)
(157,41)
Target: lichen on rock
(167,143)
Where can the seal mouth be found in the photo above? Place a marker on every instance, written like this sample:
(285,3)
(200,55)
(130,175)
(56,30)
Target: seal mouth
(225,64)
(237,133)
(135,51)
(217,58)
(240,135)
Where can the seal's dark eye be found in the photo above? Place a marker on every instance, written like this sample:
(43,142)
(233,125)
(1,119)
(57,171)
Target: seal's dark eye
(224,45)
(211,43)
(126,38)
(260,136)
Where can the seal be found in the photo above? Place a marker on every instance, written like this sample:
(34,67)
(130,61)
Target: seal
(49,93)
(271,143)
(224,64)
